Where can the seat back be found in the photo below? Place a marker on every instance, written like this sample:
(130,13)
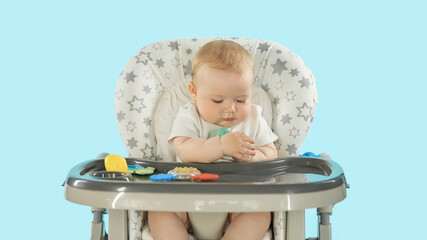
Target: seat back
(153,85)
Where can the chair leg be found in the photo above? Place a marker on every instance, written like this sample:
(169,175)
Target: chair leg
(118,224)
(98,231)
(324,214)
(295,229)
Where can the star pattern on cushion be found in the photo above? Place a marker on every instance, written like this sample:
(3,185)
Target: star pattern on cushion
(136,104)
(279,67)
(130,77)
(143,58)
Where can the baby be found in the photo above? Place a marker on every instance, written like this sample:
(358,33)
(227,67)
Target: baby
(222,77)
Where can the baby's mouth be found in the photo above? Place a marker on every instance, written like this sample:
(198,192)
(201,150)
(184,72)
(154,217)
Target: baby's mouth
(228,119)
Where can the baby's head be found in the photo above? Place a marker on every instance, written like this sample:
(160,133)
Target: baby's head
(222,83)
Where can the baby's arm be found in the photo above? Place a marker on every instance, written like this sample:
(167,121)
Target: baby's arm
(198,149)
(236,145)
(266,152)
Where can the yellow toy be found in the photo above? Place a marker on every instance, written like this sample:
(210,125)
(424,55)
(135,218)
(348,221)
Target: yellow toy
(115,163)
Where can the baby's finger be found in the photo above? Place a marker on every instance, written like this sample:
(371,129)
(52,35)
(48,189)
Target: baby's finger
(244,137)
(248,146)
(247,152)
(240,157)
(246,158)
(247,139)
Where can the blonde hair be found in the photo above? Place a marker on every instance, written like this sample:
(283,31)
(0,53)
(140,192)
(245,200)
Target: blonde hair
(223,55)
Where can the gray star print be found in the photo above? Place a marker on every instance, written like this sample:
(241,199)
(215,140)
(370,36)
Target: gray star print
(148,74)
(188,51)
(290,96)
(294,132)
(121,116)
(143,58)
(286,119)
(136,104)
(175,62)
(305,82)
(147,121)
(292,149)
(120,93)
(264,63)
(279,84)
(187,68)
(174,45)
(132,143)
(130,77)
(294,72)
(292,54)
(147,89)
(305,112)
(263,47)
(279,66)
(265,87)
(147,151)
(160,63)
(130,126)
(276,100)
(157,46)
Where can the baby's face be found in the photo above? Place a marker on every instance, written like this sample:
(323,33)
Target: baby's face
(222,98)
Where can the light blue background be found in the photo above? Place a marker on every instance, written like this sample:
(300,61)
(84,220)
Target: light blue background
(60,63)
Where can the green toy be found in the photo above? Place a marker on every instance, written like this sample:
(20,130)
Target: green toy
(142,171)
(222,131)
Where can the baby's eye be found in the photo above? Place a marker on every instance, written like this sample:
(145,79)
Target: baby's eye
(241,100)
(217,101)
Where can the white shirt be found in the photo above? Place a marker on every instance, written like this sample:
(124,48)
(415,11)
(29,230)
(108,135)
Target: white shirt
(188,123)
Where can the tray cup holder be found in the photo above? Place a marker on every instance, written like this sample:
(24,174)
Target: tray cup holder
(112,175)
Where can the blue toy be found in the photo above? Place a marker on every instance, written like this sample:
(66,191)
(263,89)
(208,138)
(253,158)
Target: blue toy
(162,177)
(310,154)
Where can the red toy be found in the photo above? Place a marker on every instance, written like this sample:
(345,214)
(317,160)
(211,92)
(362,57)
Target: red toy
(205,176)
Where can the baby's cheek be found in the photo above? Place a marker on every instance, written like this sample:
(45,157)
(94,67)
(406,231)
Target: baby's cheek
(245,112)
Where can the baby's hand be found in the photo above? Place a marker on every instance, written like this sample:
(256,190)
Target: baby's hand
(238,145)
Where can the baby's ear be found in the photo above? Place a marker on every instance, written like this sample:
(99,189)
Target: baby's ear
(192,90)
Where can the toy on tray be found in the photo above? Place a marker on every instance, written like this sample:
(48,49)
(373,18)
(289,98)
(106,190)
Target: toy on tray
(205,177)
(184,172)
(115,163)
(162,177)
(136,169)
(309,154)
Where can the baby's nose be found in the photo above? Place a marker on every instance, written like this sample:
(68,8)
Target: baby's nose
(231,107)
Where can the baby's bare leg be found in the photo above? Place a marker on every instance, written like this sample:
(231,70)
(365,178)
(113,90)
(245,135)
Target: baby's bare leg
(169,225)
(248,226)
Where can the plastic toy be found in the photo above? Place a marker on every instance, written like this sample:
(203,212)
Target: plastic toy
(205,177)
(222,131)
(115,163)
(130,167)
(184,172)
(141,170)
(162,177)
(309,154)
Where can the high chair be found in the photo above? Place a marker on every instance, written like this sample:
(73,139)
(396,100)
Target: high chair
(150,90)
